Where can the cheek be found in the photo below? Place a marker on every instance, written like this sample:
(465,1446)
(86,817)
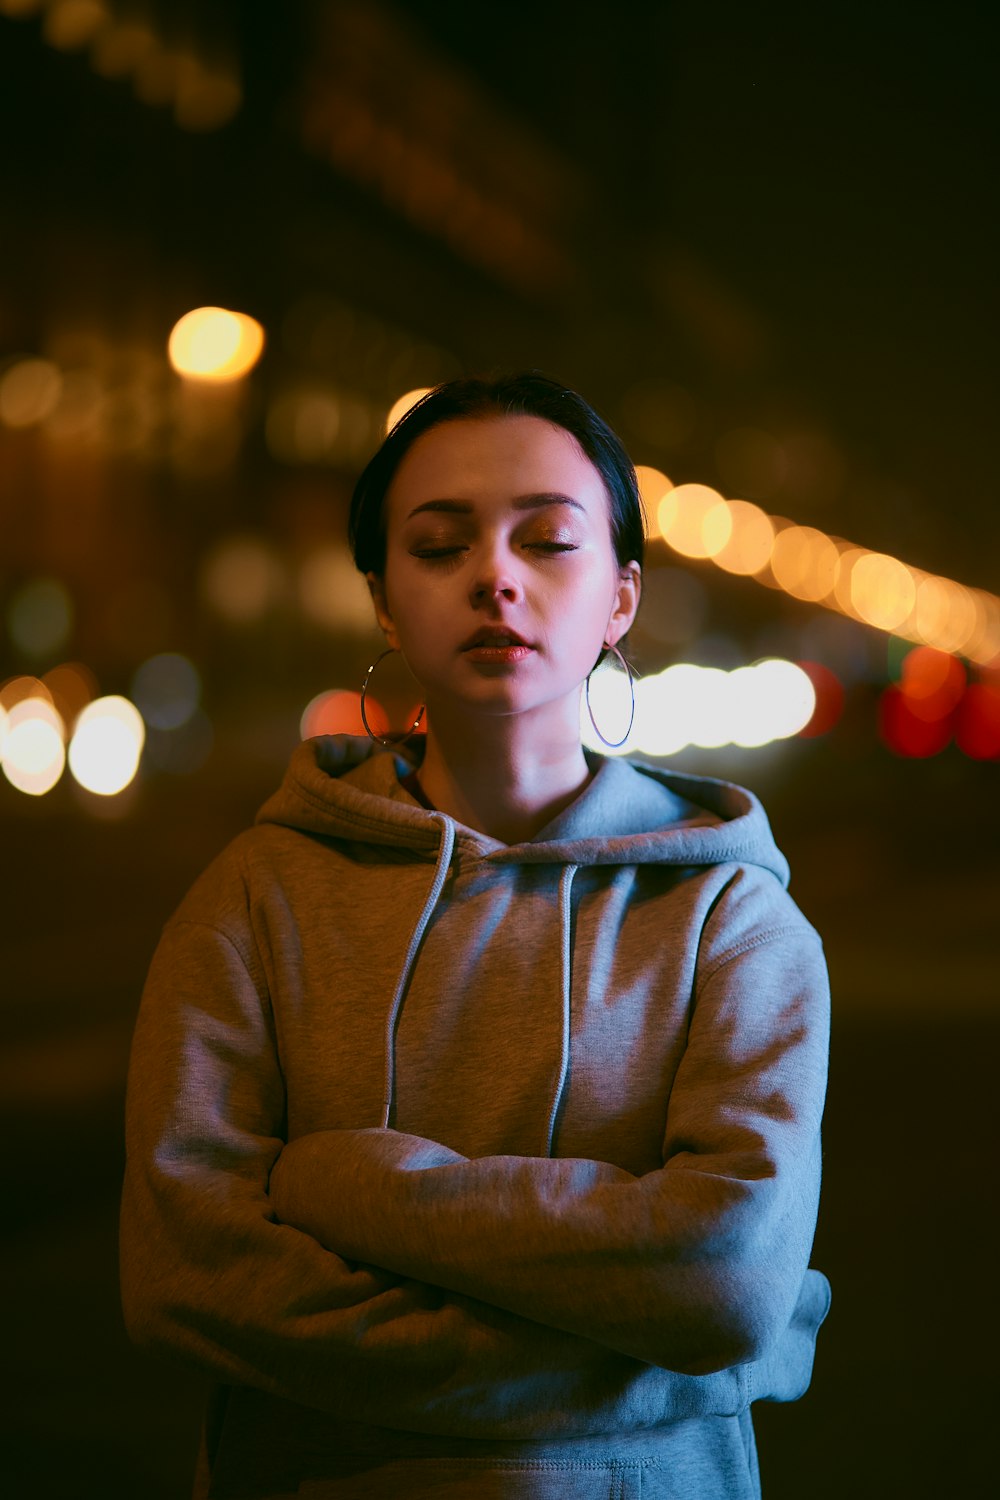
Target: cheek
(419,613)
(593,594)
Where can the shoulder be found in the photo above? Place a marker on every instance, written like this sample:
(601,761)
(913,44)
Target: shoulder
(752,909)
(224,893)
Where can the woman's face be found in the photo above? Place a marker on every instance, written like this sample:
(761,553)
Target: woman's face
(501,582)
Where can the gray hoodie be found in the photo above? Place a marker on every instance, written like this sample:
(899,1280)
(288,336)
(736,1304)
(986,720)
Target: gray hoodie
(476,1169)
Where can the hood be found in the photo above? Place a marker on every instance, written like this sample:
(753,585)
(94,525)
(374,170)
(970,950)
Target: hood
(344,786)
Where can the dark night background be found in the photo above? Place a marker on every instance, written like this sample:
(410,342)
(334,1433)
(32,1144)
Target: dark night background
(708,218)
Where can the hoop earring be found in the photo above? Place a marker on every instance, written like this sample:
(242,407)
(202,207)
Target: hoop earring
(388,744)
(614,744)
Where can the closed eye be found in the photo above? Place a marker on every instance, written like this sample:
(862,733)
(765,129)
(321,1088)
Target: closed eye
(437,554)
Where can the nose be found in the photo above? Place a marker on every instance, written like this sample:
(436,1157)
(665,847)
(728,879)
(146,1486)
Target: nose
(494,578)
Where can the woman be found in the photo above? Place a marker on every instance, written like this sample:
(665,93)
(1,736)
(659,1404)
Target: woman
(475,1095)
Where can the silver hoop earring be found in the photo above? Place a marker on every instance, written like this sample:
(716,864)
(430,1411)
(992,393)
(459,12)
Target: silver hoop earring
(389,744)
(614,744)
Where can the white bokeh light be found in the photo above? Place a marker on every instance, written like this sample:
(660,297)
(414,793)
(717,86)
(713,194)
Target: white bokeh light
(106,745)
(789,694)
(704,706)
(34,754)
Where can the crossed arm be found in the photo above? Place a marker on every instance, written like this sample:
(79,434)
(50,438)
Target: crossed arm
(209,1273)
(695,1267)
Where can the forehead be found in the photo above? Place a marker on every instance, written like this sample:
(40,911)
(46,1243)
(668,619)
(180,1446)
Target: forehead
(490,461)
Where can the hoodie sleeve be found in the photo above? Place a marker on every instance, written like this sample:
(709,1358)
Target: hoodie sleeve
(210,1276)
(693,1267)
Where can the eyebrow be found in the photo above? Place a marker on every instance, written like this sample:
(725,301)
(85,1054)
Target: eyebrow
(522,502)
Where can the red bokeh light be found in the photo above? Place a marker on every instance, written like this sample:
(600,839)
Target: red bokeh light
(906,732)
(977,725)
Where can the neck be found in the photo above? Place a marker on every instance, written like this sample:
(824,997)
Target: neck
(505,776)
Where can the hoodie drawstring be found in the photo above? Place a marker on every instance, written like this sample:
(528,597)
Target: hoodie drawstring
(565,977)
(416,937)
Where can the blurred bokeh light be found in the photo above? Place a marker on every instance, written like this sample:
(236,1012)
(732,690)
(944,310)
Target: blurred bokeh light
(241,578)
(214,344)
(694,520)
(703,706)
(166,689)
(404,404)
(40,617)
(338,711)
(332,592)
(29,392)
(34,754)
(106,745)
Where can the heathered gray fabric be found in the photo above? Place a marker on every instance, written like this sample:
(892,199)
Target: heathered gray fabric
(554,1108)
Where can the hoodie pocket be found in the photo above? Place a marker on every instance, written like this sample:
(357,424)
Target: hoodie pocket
(488,1479)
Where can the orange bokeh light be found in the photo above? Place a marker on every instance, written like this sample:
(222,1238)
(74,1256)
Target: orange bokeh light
(933,682)
(804,562)
(750,541)
(694,520)
(339,712)
(653,485)
(883,590)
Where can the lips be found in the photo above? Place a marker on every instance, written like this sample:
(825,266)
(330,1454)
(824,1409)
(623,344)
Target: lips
(494,636)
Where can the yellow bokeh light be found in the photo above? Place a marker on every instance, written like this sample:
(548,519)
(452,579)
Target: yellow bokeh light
(212,343)
(33,751)
(332,592)
(121,47)
(106,746)
(751,539)
(405,403)
(205,100)
(653,485)
(70,24)
(989,648)
(242,578)
(930,614)
(959,625)
(846,564)
(716,529)
(158,73)
(694,520)
(980,620)
(804,562)
(29,392)
(872,587)
(38,706)
(883,590)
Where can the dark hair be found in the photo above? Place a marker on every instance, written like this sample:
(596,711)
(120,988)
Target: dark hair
(525,395)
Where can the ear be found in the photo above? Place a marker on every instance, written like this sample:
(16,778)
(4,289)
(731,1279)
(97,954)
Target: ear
(626,604)
(376,587)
